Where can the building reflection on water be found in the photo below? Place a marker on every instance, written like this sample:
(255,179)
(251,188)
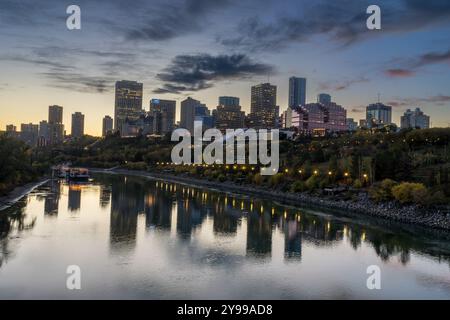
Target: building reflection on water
(74,201)
(127,201)
(51,198)
(160,201)
(183,210)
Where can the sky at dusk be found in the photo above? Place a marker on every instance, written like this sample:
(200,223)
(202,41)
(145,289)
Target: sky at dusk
(208,48)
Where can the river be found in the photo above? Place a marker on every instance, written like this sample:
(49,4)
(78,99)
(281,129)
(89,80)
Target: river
(135,238)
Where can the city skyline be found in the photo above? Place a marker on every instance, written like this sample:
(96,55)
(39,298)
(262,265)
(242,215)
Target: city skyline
(46,64)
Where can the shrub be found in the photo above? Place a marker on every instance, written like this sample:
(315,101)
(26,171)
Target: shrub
(357,184)
(275,179)
(408,192)
(436,198)
(298,186)
(312,183)
(258,179)
(382,191)
(140,166)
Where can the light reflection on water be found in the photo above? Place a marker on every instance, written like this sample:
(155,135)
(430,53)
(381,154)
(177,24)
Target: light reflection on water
(136,238)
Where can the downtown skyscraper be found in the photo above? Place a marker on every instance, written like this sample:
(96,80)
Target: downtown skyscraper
(128,102)
(263,109)
(163,113)
(77,125)
(297,92)
(107,125)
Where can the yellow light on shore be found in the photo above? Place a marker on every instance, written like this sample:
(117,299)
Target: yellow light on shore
(286,170)
(346,174)
(316,172)
(299,171)
(330,173)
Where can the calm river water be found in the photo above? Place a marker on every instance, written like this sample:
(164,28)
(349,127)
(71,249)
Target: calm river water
(138,238)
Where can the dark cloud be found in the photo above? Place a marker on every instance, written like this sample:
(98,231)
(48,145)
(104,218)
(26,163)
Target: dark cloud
(411,66)
(64,75)
(175,19)
(399,73)
(358,109)
(433,57)
(197,72)
(438,100)
(342,85)
(79,82)
(341,21)
(54,65)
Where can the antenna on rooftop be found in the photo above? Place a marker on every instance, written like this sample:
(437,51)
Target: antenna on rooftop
(379,97)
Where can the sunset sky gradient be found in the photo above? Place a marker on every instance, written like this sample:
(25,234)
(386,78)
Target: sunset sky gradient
(208,48)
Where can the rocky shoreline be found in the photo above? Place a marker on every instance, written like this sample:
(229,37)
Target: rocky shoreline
(392,211)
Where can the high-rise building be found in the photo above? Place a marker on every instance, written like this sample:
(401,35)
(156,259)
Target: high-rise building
(263,109)
(323,98)
(55,125)
(378,114)
(141,126)
(128,102)
(317,118)
(44,133)
(352,125)
(229,101)
(297,91)
(107,125)
(414,119)
(55,114)
(29,133)
(228,117)
(77,125)
(228,114)
(11,128)
(11,131)
(192,110)
(163,112)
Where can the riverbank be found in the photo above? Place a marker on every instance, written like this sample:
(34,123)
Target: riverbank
(392,211)
(18,193)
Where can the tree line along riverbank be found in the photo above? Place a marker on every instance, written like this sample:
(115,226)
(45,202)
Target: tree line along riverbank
(406,168)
